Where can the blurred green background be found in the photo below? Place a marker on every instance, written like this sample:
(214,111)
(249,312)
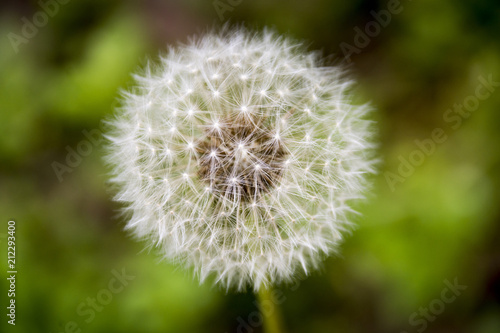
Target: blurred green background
(422,226)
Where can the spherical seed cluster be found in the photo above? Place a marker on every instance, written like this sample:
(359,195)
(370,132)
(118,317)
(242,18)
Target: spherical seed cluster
(239,155)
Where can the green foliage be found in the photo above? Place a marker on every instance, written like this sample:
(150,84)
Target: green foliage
(439,224)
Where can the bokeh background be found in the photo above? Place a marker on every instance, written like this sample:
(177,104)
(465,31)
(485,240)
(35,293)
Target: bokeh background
(438,223)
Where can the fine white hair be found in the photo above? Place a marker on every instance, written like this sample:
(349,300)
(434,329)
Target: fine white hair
(239,155)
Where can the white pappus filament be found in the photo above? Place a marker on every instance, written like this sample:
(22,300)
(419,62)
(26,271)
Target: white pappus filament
(238,155)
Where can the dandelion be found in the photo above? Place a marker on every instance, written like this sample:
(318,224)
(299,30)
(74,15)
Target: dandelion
(239,155)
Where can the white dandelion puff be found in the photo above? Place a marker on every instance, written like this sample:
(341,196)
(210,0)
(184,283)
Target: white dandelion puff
(239,156)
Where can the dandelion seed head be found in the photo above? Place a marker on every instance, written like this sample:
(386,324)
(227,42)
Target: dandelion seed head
(239,156)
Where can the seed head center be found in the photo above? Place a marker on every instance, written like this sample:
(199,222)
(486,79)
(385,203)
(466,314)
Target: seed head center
(240,160)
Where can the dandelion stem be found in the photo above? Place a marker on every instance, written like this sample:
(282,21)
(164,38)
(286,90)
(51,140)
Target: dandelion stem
(269,309)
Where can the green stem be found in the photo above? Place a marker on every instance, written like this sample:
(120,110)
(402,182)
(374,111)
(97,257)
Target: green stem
(270,311)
